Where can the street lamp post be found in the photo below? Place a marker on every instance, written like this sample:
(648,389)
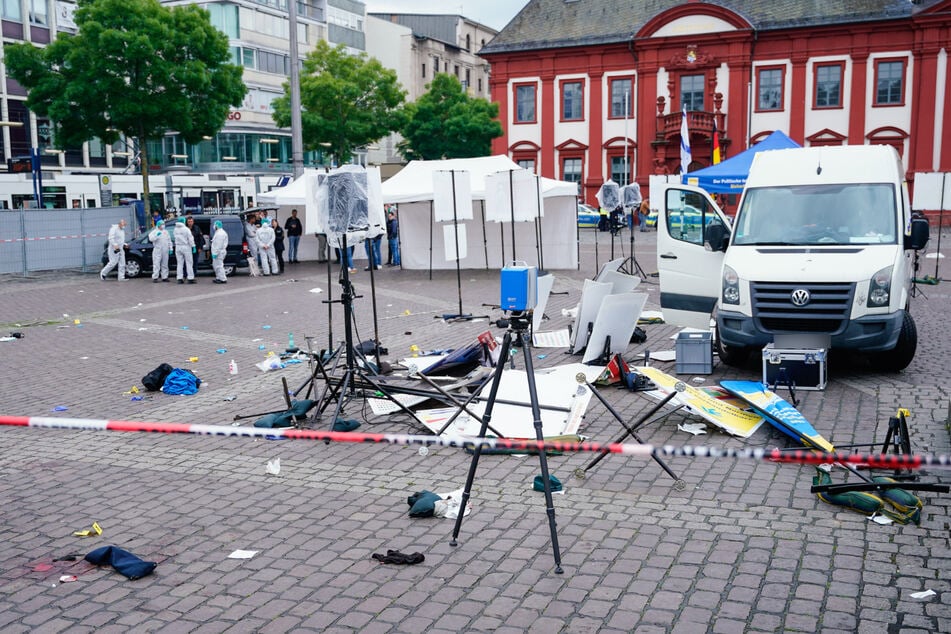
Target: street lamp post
(297,143)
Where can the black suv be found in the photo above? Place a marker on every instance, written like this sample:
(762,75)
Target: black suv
(138,259)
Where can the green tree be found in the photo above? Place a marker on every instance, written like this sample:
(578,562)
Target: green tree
(134,68)
(447,123)
(347,101)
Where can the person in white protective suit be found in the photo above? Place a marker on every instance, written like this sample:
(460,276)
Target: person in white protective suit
(266,237)
(161,249)
(250,235)
(184,248)
(219,248)
(117,247)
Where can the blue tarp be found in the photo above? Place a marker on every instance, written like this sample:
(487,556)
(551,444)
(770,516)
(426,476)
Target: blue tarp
(729,176)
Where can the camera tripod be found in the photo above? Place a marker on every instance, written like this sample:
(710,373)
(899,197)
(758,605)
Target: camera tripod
(630,265)
(519,323)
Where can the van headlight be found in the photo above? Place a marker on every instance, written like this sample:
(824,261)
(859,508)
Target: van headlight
(731,286)
(879,288)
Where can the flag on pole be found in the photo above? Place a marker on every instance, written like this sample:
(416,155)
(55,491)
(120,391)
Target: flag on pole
(685,155)
(716,143)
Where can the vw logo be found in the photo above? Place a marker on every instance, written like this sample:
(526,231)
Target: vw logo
(799,297)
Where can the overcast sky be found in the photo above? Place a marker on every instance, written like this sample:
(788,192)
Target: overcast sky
(492,13)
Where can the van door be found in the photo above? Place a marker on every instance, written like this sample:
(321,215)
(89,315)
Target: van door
(689,266)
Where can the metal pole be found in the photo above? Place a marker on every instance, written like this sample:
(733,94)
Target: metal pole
(297,143)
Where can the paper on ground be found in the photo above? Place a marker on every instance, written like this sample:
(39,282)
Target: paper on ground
(243,554)
(693,428)
(553,339)
(660,355)
(556,387)
(926,594)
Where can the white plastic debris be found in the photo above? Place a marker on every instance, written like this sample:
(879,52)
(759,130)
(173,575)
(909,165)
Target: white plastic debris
(693,428)
(926,594)
(273,467)
(243,554)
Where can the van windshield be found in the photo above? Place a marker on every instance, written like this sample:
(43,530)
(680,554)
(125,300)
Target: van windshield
(861,213)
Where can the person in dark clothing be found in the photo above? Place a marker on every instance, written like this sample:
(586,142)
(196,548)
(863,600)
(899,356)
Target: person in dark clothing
(199,241)
(393,239)
(294,230)
(278,244)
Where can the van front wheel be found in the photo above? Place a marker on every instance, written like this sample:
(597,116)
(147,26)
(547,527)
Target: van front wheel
(731,355)
(899,357)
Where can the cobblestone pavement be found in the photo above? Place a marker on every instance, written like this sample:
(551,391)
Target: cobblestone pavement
(745,547)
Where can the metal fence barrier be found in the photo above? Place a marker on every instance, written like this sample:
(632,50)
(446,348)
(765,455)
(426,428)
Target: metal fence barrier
(54,239)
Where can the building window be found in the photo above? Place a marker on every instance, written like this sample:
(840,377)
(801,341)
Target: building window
(224,17)
(525,103)
(691,92)
(468,43)
(619,170)
(621,106)
(528,164)
(769,90)
(424,70)
(39,12)
(829,86)
(11,10)
(571,170)
(889,83)
(480,84)
(455,71)
(571,101)
(247,57)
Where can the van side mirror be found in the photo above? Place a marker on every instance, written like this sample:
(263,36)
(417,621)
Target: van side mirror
(920,233)
(716,237)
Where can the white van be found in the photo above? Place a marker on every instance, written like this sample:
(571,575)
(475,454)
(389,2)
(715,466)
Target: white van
(821,253)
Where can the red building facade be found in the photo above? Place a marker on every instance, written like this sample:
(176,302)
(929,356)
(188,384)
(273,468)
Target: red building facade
(583,107)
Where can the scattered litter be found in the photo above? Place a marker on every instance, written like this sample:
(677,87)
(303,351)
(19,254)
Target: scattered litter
(273,467)
(408,333)
(133,390)
(271,363)
(926,594)
(184,327)
(142,329)
(406,312)
(693,428)
(83,358)
(137,398)
(542,356)
(143,319)
(265,327)
(67,578)
(396,557)
(424,451)
(95,530)
(243,554)
(261,347)
(698,379)
(59,408)
(232,367)
(230,397)
(316,290)
(554,484)
(65,315)
(76,322)
(221,350)
(8,339)
(193,359)
(257,339)
(881,519)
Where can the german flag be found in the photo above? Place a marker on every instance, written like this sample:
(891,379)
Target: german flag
(716,143)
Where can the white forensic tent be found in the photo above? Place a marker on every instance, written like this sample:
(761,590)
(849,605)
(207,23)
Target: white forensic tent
(487,244)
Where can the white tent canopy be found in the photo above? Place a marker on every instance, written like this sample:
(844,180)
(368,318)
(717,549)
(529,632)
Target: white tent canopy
(484,244)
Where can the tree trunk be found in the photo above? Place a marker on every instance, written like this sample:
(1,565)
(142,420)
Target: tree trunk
(144,167)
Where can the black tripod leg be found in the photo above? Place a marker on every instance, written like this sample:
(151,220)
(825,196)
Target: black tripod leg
(477,451)
(542,457)
(341,395)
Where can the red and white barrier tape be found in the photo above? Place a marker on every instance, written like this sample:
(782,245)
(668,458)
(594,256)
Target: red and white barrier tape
(802,456)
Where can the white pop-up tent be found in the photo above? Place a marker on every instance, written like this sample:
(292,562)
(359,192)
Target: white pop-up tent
(552,237)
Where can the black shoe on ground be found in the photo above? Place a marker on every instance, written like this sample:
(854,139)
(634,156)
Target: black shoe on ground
(181,281)
(164,279)
(191,281)
(155,280)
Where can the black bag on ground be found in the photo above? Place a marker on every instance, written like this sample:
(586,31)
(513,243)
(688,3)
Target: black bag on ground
(154,380)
